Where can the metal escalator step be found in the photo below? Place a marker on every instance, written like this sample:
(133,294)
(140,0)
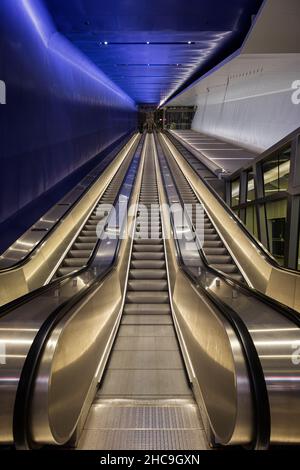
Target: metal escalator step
(203,225)
(74,262)
(147,319)
(88,229)
(212,244)
(211,237)
(162,383)
(147,309)
(145,255)
(148,225)
(147,297)
(148,234)
(148,241)
(148,264)
(156,285)
(147,274)
(79,253)
(87,239)
(225,268)
(83,246)
(148,248)
(92,223)
(215,251)
(218,259)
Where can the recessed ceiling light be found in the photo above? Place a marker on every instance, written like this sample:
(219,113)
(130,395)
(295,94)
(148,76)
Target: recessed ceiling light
(105,42)
(148,42)
(189,42)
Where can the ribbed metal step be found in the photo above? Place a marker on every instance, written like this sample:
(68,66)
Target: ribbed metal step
(147,309)
(161,424)
(156,285)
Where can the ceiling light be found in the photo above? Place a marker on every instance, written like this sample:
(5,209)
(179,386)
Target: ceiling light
(148,42)
(105,42)
(189,42)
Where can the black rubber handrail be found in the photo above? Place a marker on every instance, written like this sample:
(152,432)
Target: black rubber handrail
(264,252)
(24,392)
(10,306)
(106,162)
(256,375)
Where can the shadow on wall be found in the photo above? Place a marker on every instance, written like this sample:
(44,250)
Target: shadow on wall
(60,111)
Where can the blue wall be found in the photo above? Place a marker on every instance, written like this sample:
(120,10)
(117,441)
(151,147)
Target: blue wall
(61,109)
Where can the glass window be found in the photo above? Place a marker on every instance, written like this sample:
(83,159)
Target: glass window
(276,213)
(250,188)
(251,220)
(276,172)
(235,192)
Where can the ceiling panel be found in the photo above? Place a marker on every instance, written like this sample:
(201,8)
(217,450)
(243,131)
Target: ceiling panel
(151,49)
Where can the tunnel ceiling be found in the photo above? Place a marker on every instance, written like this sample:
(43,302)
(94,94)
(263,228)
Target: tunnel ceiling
(186,39)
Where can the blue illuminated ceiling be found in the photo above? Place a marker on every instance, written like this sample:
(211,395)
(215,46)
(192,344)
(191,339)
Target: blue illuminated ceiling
(152,48)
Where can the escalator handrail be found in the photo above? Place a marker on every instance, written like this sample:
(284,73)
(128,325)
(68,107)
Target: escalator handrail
(94,250)
(21,413)
(10,306)
(261,248)
(256,374)
(110,157)
(289,313)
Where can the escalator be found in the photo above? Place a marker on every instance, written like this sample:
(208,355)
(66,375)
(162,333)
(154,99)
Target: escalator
(33,260)
(215,251)
(145,392)
(160,356)
(83,247)
(258,267)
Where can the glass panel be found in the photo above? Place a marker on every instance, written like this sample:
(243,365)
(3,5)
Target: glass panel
(276,172)
(276,221)
(251,220)
(235,192)
(250,188)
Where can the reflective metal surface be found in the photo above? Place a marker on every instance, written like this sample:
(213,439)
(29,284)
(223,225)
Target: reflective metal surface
(77,351)
(35,272)
(277,283)
(145,372)
(19,328)
(276,339)
(213,355)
